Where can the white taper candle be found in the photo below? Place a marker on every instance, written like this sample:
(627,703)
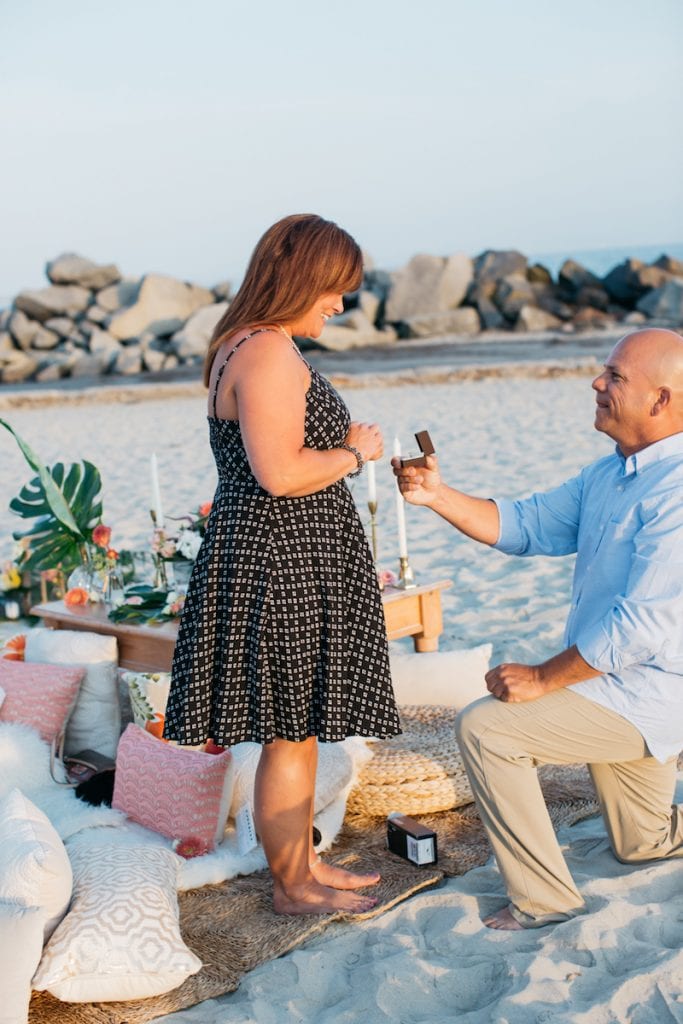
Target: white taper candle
(372,484)
(156,493)
(400,512)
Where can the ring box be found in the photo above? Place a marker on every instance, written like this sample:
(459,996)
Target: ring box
(409,839)
(424,443)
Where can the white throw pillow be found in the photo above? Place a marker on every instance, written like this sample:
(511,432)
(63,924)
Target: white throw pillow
(453,678)
(95,722)
(21,943)
(121,938)
(335,770)
(34,865)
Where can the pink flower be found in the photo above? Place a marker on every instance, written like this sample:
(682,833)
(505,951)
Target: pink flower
(386,577)
(204,509)
(133,599)
(189,847)
(101,535)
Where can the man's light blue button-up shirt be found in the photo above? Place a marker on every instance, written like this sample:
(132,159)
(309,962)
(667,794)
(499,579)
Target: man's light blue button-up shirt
(624,519)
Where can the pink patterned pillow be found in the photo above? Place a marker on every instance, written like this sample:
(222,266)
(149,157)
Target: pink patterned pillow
(41,696)
(178,792)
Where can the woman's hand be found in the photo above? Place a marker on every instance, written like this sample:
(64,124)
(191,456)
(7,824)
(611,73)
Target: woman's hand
(367,438)
(418,485)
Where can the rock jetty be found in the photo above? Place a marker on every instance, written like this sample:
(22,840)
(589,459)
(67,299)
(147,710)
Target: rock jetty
(91,320)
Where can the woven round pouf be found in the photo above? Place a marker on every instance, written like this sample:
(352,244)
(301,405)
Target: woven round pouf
(418,772)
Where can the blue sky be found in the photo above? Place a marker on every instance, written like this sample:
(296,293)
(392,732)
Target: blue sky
(168,135)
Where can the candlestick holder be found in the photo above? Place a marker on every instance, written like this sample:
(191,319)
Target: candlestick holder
(406,577)
(372,505)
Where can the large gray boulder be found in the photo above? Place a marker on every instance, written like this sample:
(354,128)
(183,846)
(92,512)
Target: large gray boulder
(193,339)
(464,320)
(57,300)
(89,364)
(493,264)
(428,284)
(72,269)
(479,296)
(22,329)
(629,281)
(370,303)
(116,296)
(357,332)
(574,276)
(17,366)
(665,303)
(531,318)
(512,293)
(64,326)
(102,342)
(162,306)
(45,339)
(128,362)
(670,265)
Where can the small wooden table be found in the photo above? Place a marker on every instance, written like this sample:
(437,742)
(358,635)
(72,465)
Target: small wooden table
(415,612)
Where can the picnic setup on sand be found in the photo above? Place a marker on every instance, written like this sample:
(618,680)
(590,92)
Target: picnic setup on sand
(132,883)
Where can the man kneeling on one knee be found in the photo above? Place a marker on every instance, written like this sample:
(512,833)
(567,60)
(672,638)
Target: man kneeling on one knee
(613,698)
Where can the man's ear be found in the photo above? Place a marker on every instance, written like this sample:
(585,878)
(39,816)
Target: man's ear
(663,401)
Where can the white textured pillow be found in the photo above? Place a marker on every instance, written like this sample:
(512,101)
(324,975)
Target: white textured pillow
(95,722)
(453,678)
(34,865)
(121,938)
(21,944)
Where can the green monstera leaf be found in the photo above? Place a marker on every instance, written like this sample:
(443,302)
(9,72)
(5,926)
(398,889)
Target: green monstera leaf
(66,506)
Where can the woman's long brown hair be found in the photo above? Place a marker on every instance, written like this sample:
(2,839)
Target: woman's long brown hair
(299,258)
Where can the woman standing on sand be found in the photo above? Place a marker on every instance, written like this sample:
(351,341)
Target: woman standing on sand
(282,639)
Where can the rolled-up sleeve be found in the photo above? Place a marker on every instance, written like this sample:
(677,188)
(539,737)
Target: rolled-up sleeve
(645,624)
(547,523)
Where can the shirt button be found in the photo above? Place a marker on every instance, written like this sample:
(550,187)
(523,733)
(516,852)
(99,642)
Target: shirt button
(620,487)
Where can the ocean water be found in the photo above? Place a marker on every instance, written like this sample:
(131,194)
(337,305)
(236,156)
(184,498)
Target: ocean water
(601,261)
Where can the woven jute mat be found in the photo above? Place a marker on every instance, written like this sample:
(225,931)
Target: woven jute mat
(232,928)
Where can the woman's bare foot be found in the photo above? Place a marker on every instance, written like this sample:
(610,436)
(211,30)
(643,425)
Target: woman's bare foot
(340,878)
(313,898)
(503,920)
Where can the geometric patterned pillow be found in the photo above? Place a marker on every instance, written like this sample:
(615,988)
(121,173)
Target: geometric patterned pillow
(178,792)
(41,696)
(121,937)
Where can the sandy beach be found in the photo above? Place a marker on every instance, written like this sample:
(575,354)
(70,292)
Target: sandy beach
(429,959)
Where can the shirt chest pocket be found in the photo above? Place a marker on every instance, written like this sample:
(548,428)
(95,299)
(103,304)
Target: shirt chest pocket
(619,531)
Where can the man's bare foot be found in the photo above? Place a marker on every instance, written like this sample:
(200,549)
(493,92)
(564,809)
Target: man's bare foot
(313,898)
(503,920)
(340,878)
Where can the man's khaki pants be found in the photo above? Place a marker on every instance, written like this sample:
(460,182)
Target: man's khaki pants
(502,745)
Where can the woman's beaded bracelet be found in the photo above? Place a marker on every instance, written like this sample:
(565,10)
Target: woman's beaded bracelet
(359,458)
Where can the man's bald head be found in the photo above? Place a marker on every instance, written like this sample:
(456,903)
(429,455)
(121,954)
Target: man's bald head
(640,392)
(656,352)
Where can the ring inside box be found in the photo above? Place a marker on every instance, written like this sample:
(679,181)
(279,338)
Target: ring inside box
(426,448)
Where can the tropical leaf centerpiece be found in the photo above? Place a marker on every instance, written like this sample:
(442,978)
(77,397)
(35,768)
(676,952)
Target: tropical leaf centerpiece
(65,504)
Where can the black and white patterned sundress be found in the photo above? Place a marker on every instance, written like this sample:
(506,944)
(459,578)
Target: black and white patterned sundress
(282,633)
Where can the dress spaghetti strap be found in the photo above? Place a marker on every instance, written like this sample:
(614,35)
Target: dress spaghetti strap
(259,330)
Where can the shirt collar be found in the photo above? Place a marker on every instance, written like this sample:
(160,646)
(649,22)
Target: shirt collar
(655,452)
